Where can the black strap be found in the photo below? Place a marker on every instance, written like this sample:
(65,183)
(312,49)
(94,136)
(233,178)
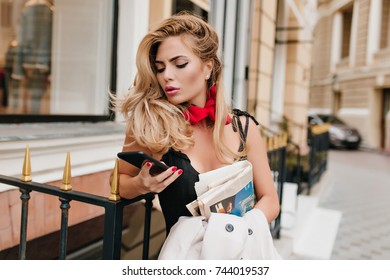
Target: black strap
(237,123)
(239,113)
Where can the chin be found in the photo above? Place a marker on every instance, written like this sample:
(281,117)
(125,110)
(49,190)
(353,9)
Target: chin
(175,100)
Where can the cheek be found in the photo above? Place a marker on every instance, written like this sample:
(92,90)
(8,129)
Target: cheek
(194,75)
(160,81)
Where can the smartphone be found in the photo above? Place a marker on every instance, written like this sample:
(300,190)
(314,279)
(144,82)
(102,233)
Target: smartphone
(138,158)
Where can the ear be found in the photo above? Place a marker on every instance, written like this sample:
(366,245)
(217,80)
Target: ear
(208,68)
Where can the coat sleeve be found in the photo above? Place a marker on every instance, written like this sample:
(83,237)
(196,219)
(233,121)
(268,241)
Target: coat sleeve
(260,243)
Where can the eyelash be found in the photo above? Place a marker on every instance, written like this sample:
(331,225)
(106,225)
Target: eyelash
(180,66)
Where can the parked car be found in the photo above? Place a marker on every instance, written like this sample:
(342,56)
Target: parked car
(341,135)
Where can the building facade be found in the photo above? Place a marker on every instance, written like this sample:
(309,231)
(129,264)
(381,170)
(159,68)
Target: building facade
(351,66)
(265,46)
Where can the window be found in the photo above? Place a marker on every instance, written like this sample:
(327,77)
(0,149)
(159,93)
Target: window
(344,36)
(346,32)
(199,7)
(385,120)
(55,60)
(5,9)
(385,25)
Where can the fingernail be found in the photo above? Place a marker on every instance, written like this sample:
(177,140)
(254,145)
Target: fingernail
(148,164)
(180,172)
(174,169)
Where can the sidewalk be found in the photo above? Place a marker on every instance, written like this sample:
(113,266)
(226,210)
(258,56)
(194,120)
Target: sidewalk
(308,231)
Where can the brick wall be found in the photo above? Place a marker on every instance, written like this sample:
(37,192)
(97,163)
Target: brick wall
(355,92)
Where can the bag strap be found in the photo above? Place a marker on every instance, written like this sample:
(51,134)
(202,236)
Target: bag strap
(237,124)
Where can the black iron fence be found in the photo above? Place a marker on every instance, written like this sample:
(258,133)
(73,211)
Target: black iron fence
(294,168)
(306,169)
(276,151)
(114,205)
(318,140)
(113,210)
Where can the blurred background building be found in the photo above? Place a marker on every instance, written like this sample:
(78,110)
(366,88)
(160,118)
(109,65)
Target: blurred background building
(351,66)
(60,58)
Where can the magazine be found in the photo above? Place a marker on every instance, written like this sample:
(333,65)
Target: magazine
(227,189)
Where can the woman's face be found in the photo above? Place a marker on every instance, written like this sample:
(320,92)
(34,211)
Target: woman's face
(181,73)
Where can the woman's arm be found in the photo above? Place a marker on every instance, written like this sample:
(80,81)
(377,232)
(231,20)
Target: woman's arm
(134,181)
(268,200)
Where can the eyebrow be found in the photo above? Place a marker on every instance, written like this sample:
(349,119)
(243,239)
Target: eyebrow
(172,59)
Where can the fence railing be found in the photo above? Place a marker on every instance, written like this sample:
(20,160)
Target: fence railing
(318,139)
(276,151)
(113,210)
(295,172)
(114,205)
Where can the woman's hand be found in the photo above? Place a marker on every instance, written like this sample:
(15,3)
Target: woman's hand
(134,182)
(155,184)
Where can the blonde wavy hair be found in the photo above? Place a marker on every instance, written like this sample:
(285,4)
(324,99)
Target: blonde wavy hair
(152,121)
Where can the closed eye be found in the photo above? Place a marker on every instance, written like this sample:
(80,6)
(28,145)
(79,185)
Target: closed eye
(161,70)
(182,65)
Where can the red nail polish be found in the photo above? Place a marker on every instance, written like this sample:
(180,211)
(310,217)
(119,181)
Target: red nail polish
(180,172)
(148,164)
(174,169)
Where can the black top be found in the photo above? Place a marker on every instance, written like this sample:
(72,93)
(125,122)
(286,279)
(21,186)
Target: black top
(176,196)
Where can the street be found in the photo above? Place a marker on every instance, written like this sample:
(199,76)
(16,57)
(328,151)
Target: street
(360,189)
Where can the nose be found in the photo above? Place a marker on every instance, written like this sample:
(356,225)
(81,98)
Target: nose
(169,73)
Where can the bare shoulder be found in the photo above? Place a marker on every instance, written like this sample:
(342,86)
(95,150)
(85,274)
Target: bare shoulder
(254,137)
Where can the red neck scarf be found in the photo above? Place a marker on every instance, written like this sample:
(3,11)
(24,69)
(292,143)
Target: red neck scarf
(195,114)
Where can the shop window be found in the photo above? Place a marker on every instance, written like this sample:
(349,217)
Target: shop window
(55,59)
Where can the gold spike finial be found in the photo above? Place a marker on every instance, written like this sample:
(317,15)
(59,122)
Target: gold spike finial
(269,143)
(281,140)
(285,138)
(26,171)
(272,143)
(266,141)
(275,141)
(115,183)
(66,179)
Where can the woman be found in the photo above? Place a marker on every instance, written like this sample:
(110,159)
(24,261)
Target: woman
(176,113)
